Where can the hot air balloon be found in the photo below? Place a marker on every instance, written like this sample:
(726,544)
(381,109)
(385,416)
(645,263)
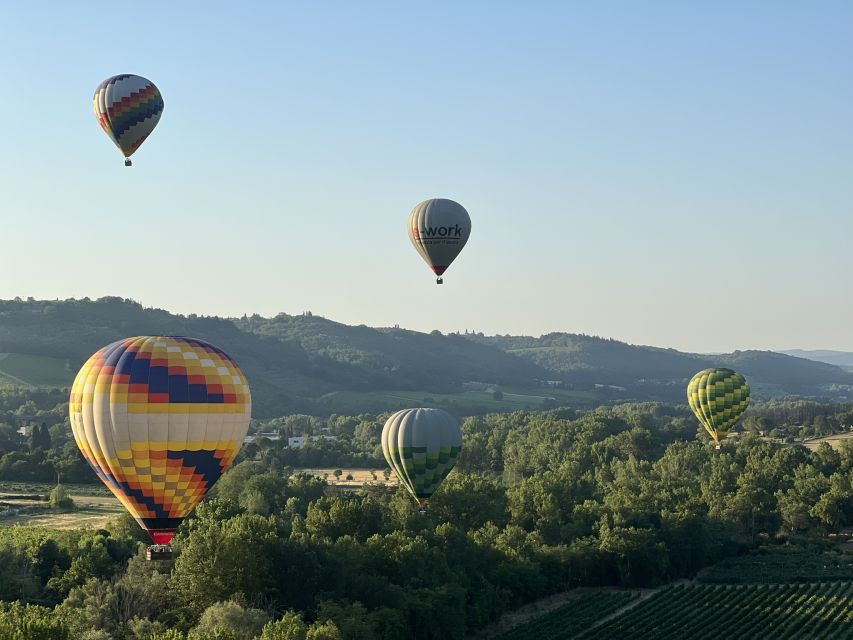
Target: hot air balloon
(719,398)
(421,446)
(160,419)
(438,229)
(128,107)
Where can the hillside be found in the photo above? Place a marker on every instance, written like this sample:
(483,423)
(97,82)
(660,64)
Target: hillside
(290,361)
(397,358)
(843,359)
(662,373)
(296,363)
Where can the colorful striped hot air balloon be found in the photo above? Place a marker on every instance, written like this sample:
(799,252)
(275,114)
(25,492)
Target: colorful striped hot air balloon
(438,229)
(128,107)
(160,419)
(719,398)
(421,446)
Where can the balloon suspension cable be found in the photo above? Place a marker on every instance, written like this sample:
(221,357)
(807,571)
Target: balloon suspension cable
(439,280)
(127,162)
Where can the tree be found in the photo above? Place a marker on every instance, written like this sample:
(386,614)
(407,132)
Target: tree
(289,627)
(16,575)
(641,560)
(169,634)
(228,620)
(59,498)
(31,622)
(497,395)
(470,501)
(40,437)
(326,630)
(221,558)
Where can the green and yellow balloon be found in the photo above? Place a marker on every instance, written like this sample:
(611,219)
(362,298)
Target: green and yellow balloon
(421,446)
(719,398)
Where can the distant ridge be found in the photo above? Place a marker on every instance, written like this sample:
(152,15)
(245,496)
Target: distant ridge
(295,363)
(838,358)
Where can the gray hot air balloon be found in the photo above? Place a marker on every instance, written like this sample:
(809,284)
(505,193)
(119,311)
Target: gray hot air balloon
(439,228)
(421,446)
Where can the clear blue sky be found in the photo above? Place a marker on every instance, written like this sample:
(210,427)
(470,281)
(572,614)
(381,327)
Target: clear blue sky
(677,174)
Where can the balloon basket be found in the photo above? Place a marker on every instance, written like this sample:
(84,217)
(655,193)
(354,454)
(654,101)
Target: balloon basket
(439,280)
(159,552)
(127,162)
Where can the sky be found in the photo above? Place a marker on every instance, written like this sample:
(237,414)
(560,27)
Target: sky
(673,174)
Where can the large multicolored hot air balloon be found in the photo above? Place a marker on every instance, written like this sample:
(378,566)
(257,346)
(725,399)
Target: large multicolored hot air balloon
(438,229)
(160,419)
(128,107)
(719,398)
(421,446)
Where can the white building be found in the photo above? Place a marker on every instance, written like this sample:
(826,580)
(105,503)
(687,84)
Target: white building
(296,442)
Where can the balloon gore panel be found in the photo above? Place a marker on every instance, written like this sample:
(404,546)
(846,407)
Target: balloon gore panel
(160,419)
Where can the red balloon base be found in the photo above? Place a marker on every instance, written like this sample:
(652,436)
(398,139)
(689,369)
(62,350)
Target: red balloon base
(161,536)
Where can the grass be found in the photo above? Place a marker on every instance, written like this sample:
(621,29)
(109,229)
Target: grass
(87,517)
(360,477)
(833,441)
(91,512)
(95,506)
(465,403)
(37,371)
(44,488)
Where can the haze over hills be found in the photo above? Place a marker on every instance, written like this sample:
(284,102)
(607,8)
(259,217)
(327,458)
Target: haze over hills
(842,359)
(295,363)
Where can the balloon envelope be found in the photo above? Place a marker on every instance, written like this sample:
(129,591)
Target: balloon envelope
(719,398)
(421,446)
(160,419)
(128,107)
(438,229)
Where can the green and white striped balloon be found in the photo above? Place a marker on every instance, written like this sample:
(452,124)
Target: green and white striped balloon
(421,446)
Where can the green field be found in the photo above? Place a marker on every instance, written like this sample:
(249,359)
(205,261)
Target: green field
(37,371)
(732,612)
(573,617)
(93,515)
(44,488)
(779,566)
(464,403)
(25,503)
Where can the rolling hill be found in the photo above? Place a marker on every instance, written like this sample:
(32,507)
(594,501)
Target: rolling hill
(843,359)
(299,363)
(654,372)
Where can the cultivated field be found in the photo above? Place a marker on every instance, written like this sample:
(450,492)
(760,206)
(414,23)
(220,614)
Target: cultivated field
(734,612)
(577,615)
(777,567)
(44,488)
(833,441)
(92,512)
(360,477)
(38,371)
(467,402)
